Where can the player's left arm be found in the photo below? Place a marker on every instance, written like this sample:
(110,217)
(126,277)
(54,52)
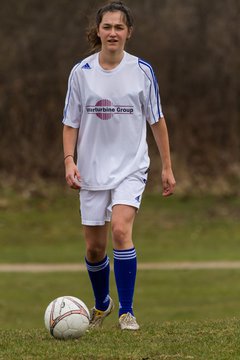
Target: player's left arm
(160,134)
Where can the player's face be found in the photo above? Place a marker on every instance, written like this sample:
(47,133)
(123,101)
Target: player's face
(113,31)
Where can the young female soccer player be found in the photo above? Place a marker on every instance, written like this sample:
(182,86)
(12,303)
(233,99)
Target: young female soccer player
(111,96)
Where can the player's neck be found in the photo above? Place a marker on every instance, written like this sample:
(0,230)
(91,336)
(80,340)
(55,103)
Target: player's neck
(109,61)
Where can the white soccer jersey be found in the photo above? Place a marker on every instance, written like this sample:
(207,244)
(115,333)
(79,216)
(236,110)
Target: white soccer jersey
(110,108)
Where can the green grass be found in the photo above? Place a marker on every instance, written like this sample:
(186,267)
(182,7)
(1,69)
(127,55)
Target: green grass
(212,340)
(159,296)
(183,314)
(45,226)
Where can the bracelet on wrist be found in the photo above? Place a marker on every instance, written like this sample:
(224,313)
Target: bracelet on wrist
(68,156)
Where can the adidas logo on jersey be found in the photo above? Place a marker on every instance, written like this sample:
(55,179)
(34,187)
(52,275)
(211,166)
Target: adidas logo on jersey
(86,66)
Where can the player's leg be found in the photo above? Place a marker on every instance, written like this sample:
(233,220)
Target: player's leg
(125,263)
(126,200)
(97,263)
(98,267)
(95,222)
(122,224)
(96,238)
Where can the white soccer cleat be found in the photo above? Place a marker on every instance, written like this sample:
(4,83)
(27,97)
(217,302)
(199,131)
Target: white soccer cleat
(128,322)
(97,316)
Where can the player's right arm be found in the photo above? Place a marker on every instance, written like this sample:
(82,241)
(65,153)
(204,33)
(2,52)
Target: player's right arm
(72,174)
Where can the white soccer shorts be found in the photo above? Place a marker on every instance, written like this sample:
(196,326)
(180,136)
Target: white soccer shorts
(96,206)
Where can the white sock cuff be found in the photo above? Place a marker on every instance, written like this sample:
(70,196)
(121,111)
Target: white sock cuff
(94,267)
(124,254)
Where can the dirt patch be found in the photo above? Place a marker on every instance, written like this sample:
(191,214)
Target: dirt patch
(203,265)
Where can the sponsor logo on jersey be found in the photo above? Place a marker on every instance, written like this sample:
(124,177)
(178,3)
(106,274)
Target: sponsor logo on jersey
(105,110)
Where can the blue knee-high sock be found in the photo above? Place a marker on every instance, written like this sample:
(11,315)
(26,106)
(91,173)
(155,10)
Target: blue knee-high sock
(99,276)
(125,270)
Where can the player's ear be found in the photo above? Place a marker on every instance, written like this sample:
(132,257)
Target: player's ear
(97,31)
(130,30)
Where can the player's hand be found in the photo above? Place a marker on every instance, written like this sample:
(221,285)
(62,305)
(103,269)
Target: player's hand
(168,182)
(72,175)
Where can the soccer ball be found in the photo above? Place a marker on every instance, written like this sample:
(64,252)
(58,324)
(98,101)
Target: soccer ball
(67,317)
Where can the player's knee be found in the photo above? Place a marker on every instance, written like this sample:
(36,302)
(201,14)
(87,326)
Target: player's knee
(120,234)
(95,254)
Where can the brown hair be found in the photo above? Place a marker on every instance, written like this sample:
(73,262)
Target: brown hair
(93,39)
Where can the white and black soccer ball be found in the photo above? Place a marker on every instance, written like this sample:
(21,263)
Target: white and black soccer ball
(67,317)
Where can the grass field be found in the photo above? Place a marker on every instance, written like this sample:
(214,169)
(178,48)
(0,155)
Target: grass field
(207,340)
(45,227)
(183,315)
(159,296)
(190,314)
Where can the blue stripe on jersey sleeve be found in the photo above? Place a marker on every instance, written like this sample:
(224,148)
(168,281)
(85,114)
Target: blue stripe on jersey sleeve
(153,81)
(70,88)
